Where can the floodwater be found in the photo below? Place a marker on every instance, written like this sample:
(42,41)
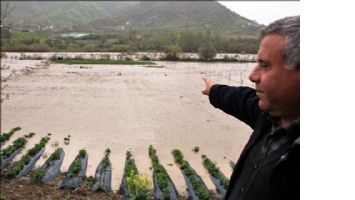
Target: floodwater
(124,108)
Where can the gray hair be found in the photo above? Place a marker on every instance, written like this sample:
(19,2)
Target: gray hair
(288,27)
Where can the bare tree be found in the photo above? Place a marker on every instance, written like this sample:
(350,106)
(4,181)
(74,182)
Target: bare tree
(6,11)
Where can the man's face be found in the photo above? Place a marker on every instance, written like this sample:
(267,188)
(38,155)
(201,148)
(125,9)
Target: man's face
(278,88)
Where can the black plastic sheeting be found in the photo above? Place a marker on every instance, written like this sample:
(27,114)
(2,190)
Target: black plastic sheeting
(173,194)
(220,189)
(190,189)
(103,178)
(75,181)
(27,168)
(124,189)
(6,162)
(54,169)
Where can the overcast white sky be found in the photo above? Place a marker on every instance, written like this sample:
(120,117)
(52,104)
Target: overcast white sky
(264,12)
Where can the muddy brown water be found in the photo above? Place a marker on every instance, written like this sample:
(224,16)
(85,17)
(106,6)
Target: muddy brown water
(125,107)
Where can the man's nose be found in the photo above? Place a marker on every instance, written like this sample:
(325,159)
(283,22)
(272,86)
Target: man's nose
(254,76)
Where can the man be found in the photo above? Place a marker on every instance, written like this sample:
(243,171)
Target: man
(269,165)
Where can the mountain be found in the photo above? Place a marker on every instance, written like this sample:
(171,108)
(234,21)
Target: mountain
(138,15)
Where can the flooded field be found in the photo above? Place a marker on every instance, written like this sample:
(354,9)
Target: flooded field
(124,107)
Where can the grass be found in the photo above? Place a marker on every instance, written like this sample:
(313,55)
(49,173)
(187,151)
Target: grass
(105,62)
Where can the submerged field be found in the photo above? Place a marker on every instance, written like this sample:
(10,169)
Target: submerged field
(124,107)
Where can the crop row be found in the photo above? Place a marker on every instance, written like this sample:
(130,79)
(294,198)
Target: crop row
(133,185)
(218,178)
(6,136)
(27,161)
(164,188)
(197,189)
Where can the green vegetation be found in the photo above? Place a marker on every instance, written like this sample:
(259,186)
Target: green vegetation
(18,143)
(29,135)
(75,166)
(170,42)
(109,62)
(106,160)
(6,136)
(38,146)
(39,173)
(25,159)
(196,149)
(198,185)
(138,186)
(90,181)
(160,173)
(105,163)
(215,172)
(82,153)
(67,140)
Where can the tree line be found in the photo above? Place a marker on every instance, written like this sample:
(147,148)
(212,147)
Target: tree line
(130,41)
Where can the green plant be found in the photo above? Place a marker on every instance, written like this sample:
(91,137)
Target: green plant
(74,168)
(90,181)
(29,135)
(17,167)
(106,160)
(197,184)
(162,176)
(18,143)
(38,174)
(139,186)
(25,159)
(214,171)
(178,157)
(82,153)
(196,149)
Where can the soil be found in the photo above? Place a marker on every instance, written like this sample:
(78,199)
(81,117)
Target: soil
(21,188)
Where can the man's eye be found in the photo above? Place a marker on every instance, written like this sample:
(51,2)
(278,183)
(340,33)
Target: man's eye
(262,64)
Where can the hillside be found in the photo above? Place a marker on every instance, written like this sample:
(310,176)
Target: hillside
(120,15)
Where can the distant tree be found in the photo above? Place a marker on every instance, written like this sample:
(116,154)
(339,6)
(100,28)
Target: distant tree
(207,51)
(89,48)
(171,52)
(4,13)
(190,40)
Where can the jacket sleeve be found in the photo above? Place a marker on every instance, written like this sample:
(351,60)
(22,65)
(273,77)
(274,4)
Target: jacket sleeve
(240,102)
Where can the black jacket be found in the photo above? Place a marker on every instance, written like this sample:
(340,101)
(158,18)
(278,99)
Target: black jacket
(275,176)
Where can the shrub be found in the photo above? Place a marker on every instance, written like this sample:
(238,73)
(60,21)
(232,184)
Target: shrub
(207,51)
(139,186)
(172,52)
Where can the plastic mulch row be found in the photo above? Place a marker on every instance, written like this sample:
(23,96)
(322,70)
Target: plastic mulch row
(27,168)
(191,191)
(103,178)
(4,139)
(124,187)
(78,179)
(222,191)
(173,194)
(54,168)
(6,161)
